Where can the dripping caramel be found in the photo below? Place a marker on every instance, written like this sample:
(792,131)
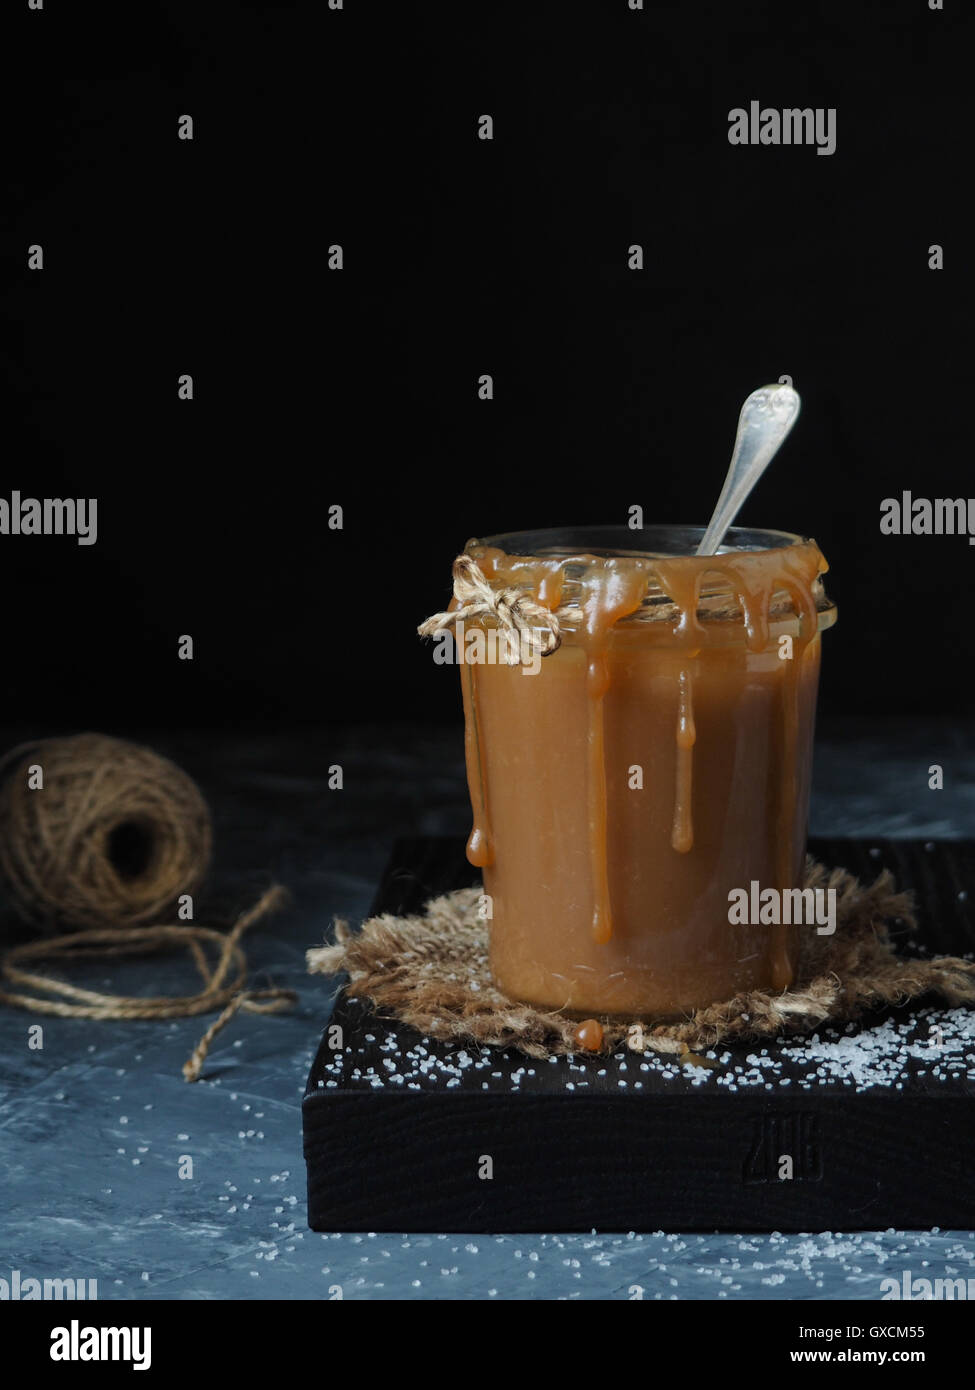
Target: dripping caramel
(660,758)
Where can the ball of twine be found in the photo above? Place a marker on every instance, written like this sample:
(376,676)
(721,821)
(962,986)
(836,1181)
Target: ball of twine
(108,834)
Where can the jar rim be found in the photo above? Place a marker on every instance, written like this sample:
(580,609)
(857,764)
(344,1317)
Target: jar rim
(666,540)
(573,550)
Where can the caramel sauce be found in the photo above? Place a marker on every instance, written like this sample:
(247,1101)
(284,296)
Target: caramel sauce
(607,600)
(686,1055)
(589,1035)
(612,590)
(789,865)
(480,845)
(682,835)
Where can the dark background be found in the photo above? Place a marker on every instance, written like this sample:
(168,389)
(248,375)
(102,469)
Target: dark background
(359,387)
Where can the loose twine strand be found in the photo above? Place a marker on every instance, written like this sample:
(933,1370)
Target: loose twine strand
(517,613)
(218,992)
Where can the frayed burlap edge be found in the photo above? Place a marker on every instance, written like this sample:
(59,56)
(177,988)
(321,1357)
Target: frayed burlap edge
(431,973)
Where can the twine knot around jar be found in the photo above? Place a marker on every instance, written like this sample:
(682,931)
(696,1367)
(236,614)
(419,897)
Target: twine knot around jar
(516,612)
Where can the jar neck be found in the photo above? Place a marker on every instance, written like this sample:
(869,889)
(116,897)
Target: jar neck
(738,585)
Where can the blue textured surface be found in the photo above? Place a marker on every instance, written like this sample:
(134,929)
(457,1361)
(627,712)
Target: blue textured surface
(93,1128)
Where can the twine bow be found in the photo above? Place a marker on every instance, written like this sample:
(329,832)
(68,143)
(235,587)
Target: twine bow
(516,612)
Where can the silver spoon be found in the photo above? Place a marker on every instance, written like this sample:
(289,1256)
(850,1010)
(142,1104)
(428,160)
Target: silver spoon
(766,418)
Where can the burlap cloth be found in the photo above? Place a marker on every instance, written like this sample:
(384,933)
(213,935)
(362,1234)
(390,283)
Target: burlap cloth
(431,972)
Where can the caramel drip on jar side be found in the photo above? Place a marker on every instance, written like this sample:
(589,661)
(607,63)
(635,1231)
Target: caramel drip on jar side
(480,842)
(548,584)
(682,834)
(612,591)
(787,868)
(490,559)
(597,681)
(754,597)
(682,584)
(545,579)
(789,720)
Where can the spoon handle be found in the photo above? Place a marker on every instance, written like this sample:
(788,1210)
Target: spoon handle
(766,418)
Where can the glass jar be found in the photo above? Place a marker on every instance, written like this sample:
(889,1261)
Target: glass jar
(629,784)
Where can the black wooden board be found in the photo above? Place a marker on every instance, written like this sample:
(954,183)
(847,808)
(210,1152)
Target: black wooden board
(876,1123)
